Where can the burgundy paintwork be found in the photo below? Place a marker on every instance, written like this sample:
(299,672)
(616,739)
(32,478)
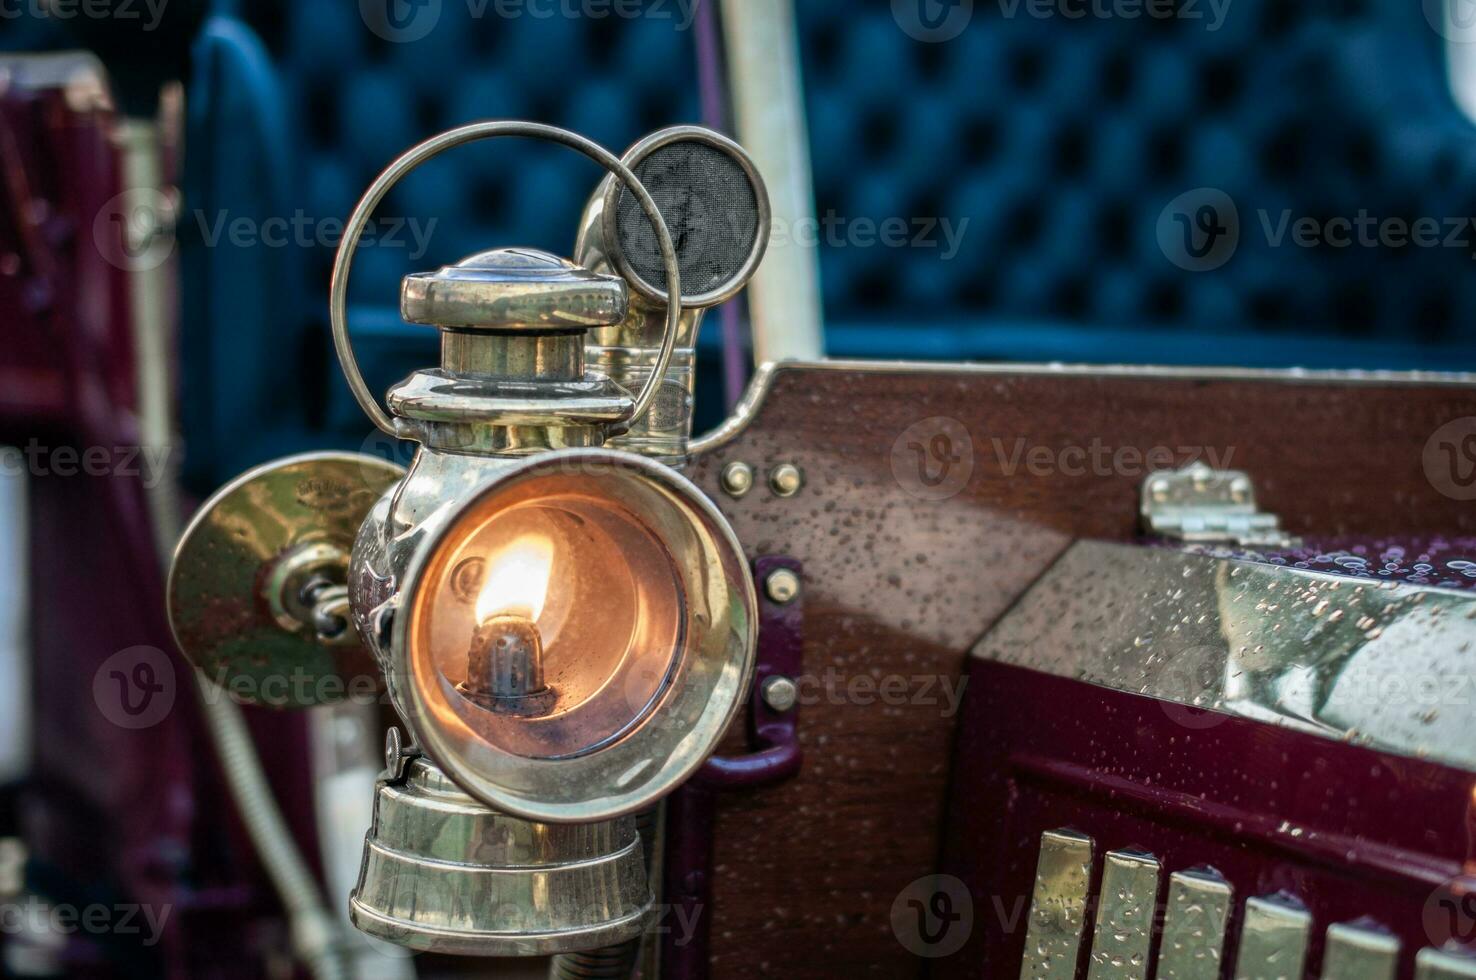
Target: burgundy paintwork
(111,814)
(1349,831)
(67,354)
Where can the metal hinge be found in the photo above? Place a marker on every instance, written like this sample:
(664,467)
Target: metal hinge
(1207,506)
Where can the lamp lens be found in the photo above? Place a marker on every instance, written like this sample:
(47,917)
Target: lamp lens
(556,613)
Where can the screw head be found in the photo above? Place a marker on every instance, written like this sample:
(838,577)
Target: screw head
(737,479)
(786,480)
(394,749)
(779,693)
(782,586)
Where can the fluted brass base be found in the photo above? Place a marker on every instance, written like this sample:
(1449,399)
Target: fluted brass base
(445,874)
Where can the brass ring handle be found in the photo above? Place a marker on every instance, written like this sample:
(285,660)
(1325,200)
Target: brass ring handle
(420,153)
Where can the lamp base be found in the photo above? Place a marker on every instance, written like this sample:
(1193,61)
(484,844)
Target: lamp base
(443,873)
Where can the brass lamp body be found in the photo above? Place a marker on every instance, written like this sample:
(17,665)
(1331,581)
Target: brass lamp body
(636,552)
(548,736)
(565,630)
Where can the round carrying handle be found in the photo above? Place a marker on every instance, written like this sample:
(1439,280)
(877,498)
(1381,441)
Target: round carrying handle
(451,138)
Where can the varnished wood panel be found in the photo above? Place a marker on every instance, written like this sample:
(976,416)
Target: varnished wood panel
(896,586)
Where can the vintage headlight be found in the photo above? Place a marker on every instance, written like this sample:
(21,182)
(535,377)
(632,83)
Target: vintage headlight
(573,640)
(566,631)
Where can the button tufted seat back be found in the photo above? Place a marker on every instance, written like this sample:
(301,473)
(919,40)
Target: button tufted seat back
(1045,169)
(1061,141)
(296,108)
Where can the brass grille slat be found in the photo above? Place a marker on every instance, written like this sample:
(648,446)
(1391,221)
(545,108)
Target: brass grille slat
(1273,941)
(1058,906)
(1123,938)
(1359,953)
(1194,926)
(1433,964)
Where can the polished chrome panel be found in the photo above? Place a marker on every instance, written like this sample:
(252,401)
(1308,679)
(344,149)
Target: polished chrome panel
(1434,964)
(1373,662)
(1356,952)
(1194,926)
(473,415)
(429,815)
(664,431)
(532,357)
(1124,934)
(512,379)
(1058,906)
(1273,940)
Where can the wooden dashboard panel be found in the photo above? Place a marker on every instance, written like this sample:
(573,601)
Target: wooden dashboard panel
(902,578)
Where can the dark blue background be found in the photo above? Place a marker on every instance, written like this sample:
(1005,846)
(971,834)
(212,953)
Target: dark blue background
(1063,146)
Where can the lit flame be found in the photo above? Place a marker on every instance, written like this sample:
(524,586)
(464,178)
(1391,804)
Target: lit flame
(517,579)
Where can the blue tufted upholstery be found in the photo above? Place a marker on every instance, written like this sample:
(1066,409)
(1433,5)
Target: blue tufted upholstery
(1062,141)
(1059,141)
(295,108)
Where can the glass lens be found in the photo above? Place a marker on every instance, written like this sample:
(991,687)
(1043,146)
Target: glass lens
(556,611)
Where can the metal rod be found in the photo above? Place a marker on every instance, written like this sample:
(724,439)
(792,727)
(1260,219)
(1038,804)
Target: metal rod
(714,98)
(768,101)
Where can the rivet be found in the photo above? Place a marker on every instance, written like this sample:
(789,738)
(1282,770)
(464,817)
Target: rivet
(786,480)
(779,693)
(782,586)
(737,479)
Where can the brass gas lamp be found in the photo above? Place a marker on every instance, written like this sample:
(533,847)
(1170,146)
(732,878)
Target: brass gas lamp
(564,624)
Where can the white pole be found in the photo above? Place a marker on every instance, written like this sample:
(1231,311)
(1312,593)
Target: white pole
(769,110)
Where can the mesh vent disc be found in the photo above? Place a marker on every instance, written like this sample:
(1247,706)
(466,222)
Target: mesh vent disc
(710,207)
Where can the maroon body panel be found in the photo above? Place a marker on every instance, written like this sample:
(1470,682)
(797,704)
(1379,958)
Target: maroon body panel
(1350,832)
(125,804)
